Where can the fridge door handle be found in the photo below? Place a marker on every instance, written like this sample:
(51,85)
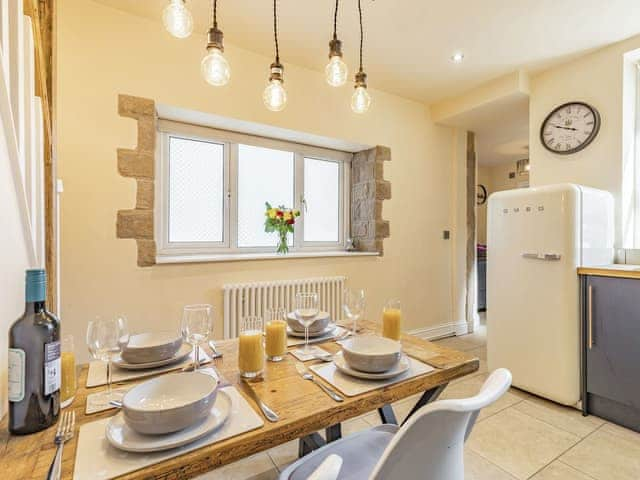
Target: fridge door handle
(590,317)
(549,257)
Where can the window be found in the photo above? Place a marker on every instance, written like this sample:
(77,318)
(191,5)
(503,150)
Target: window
(213,185)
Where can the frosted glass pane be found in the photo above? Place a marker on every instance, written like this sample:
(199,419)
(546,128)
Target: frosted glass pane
(322,196)
(264,175)
(196,191)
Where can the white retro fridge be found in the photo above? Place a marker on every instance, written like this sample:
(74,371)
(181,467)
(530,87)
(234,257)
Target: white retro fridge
(537,237)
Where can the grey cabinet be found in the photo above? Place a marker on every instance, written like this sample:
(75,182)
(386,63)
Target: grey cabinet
(611,349)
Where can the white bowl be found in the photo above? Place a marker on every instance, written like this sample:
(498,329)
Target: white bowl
(151,347)
(320,323)
(169,403)
(369,353)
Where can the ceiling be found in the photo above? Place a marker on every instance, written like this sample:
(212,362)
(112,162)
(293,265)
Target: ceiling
(408,43)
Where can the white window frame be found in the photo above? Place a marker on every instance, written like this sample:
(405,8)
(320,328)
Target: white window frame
(230,141)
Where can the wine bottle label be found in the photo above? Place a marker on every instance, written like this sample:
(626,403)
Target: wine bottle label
(52,367)
(16,374)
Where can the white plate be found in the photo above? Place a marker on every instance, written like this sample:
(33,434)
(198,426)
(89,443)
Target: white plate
(326,332)
(121,436)
(402,366)
(180,355)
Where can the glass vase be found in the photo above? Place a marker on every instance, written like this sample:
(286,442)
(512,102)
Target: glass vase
(283,246)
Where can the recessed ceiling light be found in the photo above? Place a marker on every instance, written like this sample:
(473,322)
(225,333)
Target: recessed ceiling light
(457,57)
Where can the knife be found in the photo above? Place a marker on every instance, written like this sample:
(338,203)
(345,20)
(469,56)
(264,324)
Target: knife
(266,411)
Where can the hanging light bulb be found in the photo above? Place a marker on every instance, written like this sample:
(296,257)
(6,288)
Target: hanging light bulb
(360,100)
(336,71)
(177,19)
(214,67)
(274,95)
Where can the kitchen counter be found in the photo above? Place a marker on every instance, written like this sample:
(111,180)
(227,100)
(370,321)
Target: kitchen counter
(619,271)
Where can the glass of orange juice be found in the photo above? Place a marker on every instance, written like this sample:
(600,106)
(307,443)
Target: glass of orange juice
(392,320)
(69,381)
(275,334)
(251,347)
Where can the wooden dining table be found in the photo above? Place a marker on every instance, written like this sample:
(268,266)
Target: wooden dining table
(302,407)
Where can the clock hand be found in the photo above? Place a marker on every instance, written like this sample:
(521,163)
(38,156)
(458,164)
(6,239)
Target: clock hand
(565,128)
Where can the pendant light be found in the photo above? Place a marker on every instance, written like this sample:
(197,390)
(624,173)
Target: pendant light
(214,66)
(361,100)
(336,70)
(275,96)
(177,19)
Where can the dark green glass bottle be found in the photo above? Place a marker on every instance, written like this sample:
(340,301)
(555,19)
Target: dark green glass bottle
(34,362)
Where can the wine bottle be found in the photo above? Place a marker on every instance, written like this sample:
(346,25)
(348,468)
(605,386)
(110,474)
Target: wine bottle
(34,362)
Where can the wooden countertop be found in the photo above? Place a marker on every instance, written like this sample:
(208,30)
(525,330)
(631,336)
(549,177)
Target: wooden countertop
(619,271)
(302,407)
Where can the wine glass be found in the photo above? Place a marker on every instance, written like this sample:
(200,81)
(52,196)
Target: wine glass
(106,337)
(196,328)
(353,303)
(306,312)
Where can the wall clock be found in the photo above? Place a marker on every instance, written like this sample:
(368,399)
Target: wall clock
(569,128)
(481,194)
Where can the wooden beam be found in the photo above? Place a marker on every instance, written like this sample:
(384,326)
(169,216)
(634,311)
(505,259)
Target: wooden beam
(41,13)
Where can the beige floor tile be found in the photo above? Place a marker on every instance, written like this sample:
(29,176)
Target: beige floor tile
(566,418)
(256,467)
(621,431)
(607,454)
(463,342)
(471,386)
(478,468)
(480,352)
(518,443)
(560,471)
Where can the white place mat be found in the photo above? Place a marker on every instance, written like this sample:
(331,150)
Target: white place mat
(352,386)
(97,374)
(96,459)
(303,357)
(92,399)
(294,341)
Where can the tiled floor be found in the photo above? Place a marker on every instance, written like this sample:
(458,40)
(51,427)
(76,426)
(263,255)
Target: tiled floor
(519,437)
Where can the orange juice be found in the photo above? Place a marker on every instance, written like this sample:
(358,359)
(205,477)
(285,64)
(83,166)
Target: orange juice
(392,323)
(251,353)
(276,339)
(68,385)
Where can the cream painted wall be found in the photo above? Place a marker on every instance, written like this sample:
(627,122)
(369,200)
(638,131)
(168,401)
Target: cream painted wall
(103,52)
(597,79)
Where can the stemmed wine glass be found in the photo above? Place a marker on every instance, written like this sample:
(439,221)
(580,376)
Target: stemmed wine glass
(353,304)
(106,337)
(306,312)
(196,327)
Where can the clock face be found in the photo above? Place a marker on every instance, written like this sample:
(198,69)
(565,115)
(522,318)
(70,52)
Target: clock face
(570,128)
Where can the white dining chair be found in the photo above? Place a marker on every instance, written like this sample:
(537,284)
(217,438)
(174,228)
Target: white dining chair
(430,445)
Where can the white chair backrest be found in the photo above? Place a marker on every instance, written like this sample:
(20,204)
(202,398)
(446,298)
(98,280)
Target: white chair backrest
(431,444)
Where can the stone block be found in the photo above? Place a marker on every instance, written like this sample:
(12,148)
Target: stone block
(146,253)
(145,194)
(146,134)
(133,163)
(383,229)
(134,107)
(136,223)
(362,191)
(383,190)
(383,153)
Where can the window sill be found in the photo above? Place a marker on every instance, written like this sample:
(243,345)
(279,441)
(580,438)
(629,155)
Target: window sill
(240,257)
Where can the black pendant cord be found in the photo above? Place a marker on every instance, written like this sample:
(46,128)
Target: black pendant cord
(361,32)
(335,21)
(275,30)
(214,14)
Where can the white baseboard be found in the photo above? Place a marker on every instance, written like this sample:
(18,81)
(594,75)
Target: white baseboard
(440,331)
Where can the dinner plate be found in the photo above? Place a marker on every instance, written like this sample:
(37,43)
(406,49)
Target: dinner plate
(123,437)
(401,367)
(325,332)
(180,355)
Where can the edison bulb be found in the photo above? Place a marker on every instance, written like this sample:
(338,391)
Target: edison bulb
(336,71)
(361,100)
(275,96)
(215,68)
(177,19)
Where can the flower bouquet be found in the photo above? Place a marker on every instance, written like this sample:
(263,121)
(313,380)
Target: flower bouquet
(281,220)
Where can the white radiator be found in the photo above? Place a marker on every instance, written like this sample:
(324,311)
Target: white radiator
(255,298)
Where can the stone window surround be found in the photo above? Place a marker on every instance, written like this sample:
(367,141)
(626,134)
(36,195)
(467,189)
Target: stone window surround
(368,189)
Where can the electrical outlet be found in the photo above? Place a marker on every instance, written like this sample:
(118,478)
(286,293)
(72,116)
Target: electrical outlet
(446,234)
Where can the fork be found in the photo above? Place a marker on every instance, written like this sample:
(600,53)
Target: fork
(64,433)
